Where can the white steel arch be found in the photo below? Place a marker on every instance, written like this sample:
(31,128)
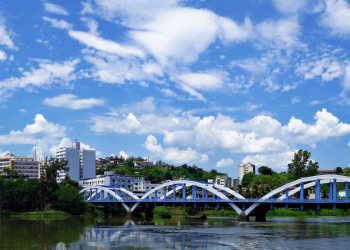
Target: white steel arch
(323,180)
(209,187)
(100,188)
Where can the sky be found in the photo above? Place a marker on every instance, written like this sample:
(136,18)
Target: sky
(210,83)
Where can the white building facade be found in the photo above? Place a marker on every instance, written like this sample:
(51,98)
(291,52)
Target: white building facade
(81,162)
(23,165)
(244,168)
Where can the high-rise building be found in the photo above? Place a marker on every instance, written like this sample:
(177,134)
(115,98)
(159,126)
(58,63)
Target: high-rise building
(244,168)
(23,165)
(81,162)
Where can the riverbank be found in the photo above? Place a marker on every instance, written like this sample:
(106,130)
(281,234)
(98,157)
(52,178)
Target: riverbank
(180,211)
(34,214)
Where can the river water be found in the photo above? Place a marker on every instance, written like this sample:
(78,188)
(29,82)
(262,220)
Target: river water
(175,233)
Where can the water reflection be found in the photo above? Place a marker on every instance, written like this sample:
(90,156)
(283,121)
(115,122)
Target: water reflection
(175,233)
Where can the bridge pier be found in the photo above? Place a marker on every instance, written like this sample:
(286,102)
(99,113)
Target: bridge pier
(242,217)
(149,213)
(129,214)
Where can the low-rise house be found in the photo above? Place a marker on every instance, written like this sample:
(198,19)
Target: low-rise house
(224,180)
(142,164)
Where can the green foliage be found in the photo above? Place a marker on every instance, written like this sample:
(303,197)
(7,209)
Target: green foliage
(265,170)
(220,213)
(247,178)
(302,166)
(168,176)
(69,199)
(339,170)
(308,212)
(161,212)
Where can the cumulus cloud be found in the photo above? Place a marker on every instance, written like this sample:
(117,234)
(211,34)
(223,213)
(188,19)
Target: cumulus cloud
(278,161)
(336,16)
(290,6)
(72,102)
(262,134)
(48,73)
(22,110)
(224,163)
(87,8)
(54,8)
(58,24)
(67,143)
(125,156)
(173,155)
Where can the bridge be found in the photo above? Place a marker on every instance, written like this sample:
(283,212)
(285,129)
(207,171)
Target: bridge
(175,194)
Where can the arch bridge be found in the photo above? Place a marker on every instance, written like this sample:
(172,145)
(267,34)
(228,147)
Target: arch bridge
(176,193)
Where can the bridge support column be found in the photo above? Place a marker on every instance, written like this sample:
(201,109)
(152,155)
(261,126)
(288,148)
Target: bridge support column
(334,206)
(217,204)
(206,205)
(184,192)
(195,205)
(173,204)
(129,213)
(335,190)
(243,206)
(346,192)
(302,195)
(330,191)
(84,195)
(184,204)
(318,207)
(174,191)
(301,206)
(242,217)
(287,197)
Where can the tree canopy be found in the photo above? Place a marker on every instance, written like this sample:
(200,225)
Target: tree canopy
(302,166)
(265,170)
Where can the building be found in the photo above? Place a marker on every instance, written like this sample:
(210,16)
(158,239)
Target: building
(81,162)
(244,168)
(101,163)
(41,167)
(135,184)
(322,171)
(117,162)
(23,165)
(224,180)
(142,164)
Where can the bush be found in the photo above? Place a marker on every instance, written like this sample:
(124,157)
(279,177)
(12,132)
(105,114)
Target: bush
(161,212)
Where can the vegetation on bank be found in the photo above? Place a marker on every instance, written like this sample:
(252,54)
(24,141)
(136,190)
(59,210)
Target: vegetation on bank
(160,171)
(307,212)
(34,214)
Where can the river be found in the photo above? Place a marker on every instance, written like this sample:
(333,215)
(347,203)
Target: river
(176,233)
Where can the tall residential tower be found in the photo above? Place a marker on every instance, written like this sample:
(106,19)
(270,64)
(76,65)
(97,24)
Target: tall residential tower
(81,162)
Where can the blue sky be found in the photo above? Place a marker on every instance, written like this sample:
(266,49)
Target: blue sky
(211,83)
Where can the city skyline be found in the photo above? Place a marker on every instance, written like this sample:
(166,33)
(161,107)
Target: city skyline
(199,82)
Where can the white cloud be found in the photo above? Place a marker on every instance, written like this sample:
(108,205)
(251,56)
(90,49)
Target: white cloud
(262,134)
(224,163)
(2,55)
(188,32)
(67,143)
(4,36)
(2,154)
(125,156)
(58,24)
(295,100)
(92,25)
(146,106)
(271,87)
(349,144)
(47,74)
(336,16)
(22,110)
(54,8)
(328,68)
(168,92)
(275,160)
(106,45)
(315,102)
(173,155)
(222,57)
(290,6)
(72,102)
(87,8)
(143,84)
(41,41)
(281,34)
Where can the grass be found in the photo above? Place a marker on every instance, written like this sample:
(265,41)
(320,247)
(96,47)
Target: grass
(34,214)
(307,212)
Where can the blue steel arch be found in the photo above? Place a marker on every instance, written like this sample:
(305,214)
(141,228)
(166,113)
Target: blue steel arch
(314,180)
(185,183)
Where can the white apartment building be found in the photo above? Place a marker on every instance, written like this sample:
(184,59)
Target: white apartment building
(81,162)
(23,165)
(224,180)
(243,169)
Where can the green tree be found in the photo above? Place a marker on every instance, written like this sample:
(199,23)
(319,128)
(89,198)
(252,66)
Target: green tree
(339,170)
(247,178)
(302,166)
(168,176)
(265,170)
(69,199)
(48,181)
